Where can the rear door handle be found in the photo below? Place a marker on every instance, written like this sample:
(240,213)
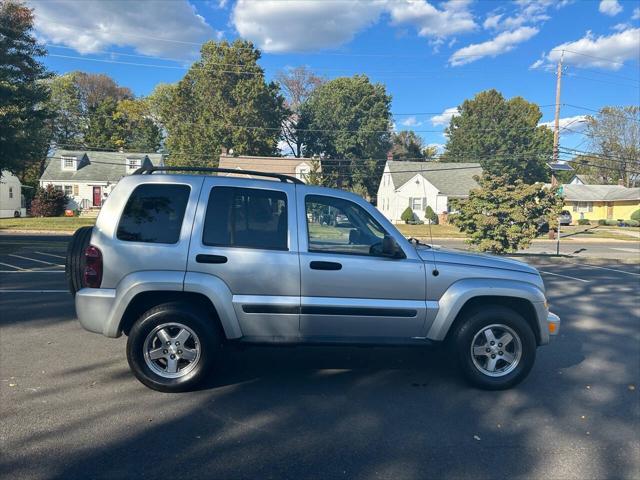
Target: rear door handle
(202,258)
(325,266)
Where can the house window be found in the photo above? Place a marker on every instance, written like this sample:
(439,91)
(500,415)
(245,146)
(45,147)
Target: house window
(10,192)
(134,163)
(68,190)
(583,207)
(58,187)
(68,163)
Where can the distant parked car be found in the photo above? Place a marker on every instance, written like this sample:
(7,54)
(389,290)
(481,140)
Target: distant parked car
(565,218)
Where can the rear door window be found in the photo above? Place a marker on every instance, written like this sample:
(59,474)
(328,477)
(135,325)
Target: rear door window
(154,213)
(247,218)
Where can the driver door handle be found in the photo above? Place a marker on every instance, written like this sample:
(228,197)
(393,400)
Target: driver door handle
(325,265)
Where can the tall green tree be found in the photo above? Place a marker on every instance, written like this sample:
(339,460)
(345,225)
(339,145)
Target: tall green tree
(135,129)
(222,101)
(68,123)
(502,135)
(23,116)
(349,118)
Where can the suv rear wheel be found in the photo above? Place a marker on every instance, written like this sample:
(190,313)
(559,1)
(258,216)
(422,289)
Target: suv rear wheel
(495,347)
(172,347)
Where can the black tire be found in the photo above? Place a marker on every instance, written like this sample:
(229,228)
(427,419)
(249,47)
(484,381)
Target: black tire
(75,261)
(199,321)
(476,321)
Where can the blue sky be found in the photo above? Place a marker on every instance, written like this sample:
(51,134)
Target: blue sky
(430,55)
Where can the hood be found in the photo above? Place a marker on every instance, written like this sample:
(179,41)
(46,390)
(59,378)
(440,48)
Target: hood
(483,260)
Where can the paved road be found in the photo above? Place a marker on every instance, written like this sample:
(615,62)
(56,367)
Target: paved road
(71,409)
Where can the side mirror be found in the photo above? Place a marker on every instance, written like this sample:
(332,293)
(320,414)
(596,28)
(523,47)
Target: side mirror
(390,248)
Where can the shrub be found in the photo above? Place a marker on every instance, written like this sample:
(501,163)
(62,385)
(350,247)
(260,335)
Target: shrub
(408,215)
(602,221)
(583,221)
(430,215)
(48,202)
(611,223)
(497,216)
(636,215)
(633,223)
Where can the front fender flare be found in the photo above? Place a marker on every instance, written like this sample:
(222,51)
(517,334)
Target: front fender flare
(462,291)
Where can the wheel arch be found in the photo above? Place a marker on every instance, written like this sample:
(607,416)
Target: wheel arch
(519,305)
(145,301)
(524,298)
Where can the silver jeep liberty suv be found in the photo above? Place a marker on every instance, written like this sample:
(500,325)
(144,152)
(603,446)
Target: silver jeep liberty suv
(185,264)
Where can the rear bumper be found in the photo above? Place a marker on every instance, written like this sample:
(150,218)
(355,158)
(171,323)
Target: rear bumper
(94,307)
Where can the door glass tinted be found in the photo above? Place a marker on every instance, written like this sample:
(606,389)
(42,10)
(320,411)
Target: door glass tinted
(154,213)
(246,217)
(340,226)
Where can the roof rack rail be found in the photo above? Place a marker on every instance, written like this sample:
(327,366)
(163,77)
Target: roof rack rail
(279,176)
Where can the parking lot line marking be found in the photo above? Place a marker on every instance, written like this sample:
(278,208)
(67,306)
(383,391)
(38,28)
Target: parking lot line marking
(565,276)
(31,271)
(12,266)
(7,290)
(606,268)
(51,255)
(35,260)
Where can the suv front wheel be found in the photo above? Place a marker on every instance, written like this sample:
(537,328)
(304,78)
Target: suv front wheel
(495,347)
(172,347)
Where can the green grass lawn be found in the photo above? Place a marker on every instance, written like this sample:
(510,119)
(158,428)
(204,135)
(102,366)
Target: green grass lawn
(437,231)
(53,224)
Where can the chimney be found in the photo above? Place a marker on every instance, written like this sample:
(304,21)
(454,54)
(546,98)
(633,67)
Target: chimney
(621,182)
(223,151)
(389,156)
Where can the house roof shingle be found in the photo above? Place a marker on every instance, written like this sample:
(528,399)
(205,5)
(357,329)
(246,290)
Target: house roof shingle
(94,166)
(451,179)
(599,193)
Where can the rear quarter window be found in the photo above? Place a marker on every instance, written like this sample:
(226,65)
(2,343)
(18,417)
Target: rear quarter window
(154,214)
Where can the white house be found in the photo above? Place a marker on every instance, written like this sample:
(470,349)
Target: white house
(11,199)
(295,167)
(418,184)
(88,177)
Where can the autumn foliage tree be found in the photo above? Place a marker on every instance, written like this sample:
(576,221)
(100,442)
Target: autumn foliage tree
(501,216)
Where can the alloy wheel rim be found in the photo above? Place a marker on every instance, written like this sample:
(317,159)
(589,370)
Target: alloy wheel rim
(496,350)
(172,350)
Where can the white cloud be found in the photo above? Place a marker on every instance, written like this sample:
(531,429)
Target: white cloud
(606,51)
(502,43)
(610,7)
(636,14)
(453,17)
(411,122)
(577,123)
(621,27)
(445,117)
(278,26)
(152,27)
(305,25)
(528,12)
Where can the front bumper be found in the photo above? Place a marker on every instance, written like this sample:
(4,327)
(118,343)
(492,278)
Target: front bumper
(553,324)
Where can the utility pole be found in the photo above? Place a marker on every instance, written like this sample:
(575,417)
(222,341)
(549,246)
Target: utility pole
(556,129)
(556,138)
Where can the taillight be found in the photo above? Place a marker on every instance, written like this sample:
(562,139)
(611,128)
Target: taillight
(92,276)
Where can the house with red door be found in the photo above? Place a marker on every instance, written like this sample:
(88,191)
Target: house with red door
(88,177)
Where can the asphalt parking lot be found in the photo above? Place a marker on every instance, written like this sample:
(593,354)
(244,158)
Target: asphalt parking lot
(71,409)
